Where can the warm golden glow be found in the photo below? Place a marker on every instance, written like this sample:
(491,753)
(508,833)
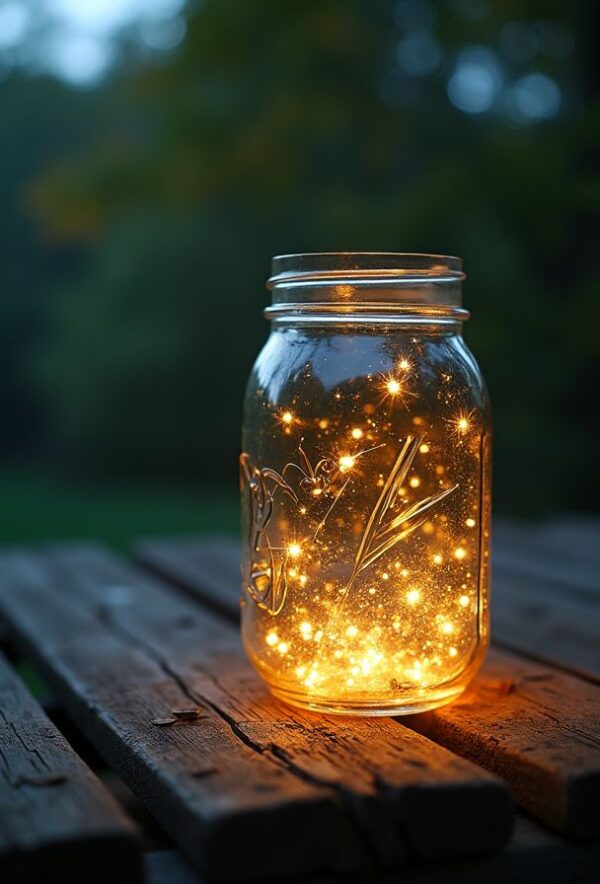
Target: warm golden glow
(462,423)
(363,564)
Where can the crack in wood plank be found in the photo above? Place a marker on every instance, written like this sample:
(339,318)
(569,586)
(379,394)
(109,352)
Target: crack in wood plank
(271,751)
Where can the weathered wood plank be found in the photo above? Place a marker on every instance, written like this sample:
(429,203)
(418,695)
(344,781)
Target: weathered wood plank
(364,761)
(208,568)
(534,725)
(537,727)
(55,815)
(296,793)
(206,786)
(546,598)
(557,629)
(559,572)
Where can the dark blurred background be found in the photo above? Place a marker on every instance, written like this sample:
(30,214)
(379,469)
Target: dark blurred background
(156,153)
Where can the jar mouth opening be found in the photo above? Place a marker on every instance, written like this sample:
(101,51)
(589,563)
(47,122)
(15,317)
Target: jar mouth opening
(322,268)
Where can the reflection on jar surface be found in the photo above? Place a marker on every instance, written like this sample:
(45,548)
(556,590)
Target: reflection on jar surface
(366,488)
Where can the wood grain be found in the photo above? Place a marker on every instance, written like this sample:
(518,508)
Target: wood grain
(55,816)
(538,728)
(535,725)
(297,794)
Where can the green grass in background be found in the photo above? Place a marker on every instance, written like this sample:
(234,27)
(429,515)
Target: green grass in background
(37,506)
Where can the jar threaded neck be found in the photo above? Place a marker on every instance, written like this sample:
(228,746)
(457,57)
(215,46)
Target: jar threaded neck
(324,285)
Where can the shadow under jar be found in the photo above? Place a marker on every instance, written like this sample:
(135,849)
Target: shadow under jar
(365,480)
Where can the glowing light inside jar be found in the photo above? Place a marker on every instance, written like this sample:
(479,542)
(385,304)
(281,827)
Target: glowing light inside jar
(363,566)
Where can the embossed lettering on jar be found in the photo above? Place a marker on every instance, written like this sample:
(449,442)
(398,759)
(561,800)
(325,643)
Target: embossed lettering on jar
(366,487)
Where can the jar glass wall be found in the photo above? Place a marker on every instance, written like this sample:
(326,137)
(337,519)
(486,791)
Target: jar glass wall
(365,480)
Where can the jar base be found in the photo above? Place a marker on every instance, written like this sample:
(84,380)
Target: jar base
(398,706)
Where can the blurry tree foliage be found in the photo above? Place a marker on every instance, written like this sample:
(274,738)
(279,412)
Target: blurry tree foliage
(310,126)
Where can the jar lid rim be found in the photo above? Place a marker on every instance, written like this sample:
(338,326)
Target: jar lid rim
(330,266)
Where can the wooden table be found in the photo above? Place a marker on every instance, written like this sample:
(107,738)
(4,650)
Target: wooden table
(502,785)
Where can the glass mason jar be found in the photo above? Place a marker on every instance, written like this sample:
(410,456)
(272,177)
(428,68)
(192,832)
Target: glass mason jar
(365,479)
